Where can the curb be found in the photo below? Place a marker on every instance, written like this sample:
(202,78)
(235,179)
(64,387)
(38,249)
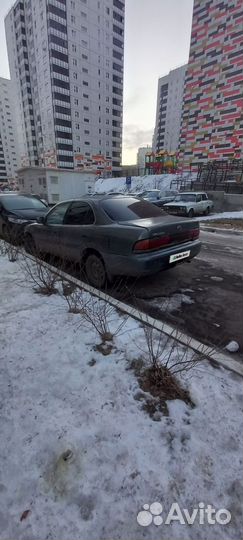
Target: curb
(210,353)
(220,230)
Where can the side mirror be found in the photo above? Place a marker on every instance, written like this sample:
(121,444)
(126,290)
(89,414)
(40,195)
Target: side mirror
(41,219)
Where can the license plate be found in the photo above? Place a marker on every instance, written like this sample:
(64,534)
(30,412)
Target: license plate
(179,256)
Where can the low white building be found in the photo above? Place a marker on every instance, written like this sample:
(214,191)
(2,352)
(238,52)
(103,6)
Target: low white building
(169,110)
(55,185)
(9,152)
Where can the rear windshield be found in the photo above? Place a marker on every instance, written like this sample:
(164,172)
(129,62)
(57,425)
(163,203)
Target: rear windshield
(129,208)
(17,202)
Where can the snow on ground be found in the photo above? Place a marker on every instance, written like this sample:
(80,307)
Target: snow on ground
(57,394)
(138,183)
(172,303)
(222,215)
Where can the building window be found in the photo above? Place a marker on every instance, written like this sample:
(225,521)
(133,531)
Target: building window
(75,75)
(54,179)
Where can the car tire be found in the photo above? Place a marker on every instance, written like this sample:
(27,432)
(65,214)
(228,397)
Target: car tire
(95,270)
(191,213)
(29,244)
(207,211)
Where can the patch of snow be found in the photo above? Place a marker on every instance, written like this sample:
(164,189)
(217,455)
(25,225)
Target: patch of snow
(232,346)
(172,303)
(216,278)
(138,183)
(222,215)
(60,397)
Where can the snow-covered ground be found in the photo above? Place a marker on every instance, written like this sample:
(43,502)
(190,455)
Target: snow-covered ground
(57,394)
(138,183)
(223,215)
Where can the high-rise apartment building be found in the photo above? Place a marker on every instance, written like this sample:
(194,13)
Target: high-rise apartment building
(66,63)
(212,126)
(169,110)
(9,155)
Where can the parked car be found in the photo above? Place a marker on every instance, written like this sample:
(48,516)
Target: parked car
(165,197)
(149,194)
(16,211)
(189,204)
(109,236)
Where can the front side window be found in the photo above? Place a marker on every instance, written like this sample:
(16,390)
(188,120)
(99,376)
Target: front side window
(79,213)
(56,216)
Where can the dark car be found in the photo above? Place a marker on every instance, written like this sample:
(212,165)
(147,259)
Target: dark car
(114,235)
(16,211)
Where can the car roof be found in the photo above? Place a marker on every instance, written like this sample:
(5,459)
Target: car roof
(192,193)
(94,198)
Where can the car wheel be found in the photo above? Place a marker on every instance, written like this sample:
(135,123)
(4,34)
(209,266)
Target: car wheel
(191,213)
(29,244)
(95,270)
(207,211)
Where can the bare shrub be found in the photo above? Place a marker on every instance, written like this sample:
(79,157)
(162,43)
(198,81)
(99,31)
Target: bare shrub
(104,318)
(11,250)
(166,358)
(75,297)
(39,274)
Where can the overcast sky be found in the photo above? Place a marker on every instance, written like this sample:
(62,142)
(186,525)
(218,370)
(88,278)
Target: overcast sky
(157,39)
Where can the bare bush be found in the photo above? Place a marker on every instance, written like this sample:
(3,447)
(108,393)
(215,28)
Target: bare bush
(166,358)
(10,250)
(75,297)
(105,319)
(39,274)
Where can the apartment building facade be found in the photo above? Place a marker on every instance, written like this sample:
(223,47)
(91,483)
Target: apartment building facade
(9,154)
(212,122)
(66,62)
(169,110)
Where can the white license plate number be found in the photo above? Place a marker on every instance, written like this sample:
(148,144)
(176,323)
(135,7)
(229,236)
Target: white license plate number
(179,256)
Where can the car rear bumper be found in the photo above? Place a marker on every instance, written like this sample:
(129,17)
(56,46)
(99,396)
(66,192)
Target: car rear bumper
(150,263)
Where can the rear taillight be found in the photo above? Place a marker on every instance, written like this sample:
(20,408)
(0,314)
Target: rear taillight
(151,244)
(195,233)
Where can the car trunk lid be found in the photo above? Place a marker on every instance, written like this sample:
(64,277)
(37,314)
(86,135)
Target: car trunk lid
(158,233)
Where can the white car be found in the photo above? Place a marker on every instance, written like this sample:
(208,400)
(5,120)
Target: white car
(189,204)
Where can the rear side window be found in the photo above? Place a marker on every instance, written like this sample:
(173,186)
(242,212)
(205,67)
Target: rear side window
(129,208)
(79,213)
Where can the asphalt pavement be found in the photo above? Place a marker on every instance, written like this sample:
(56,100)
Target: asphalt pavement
(203,297)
